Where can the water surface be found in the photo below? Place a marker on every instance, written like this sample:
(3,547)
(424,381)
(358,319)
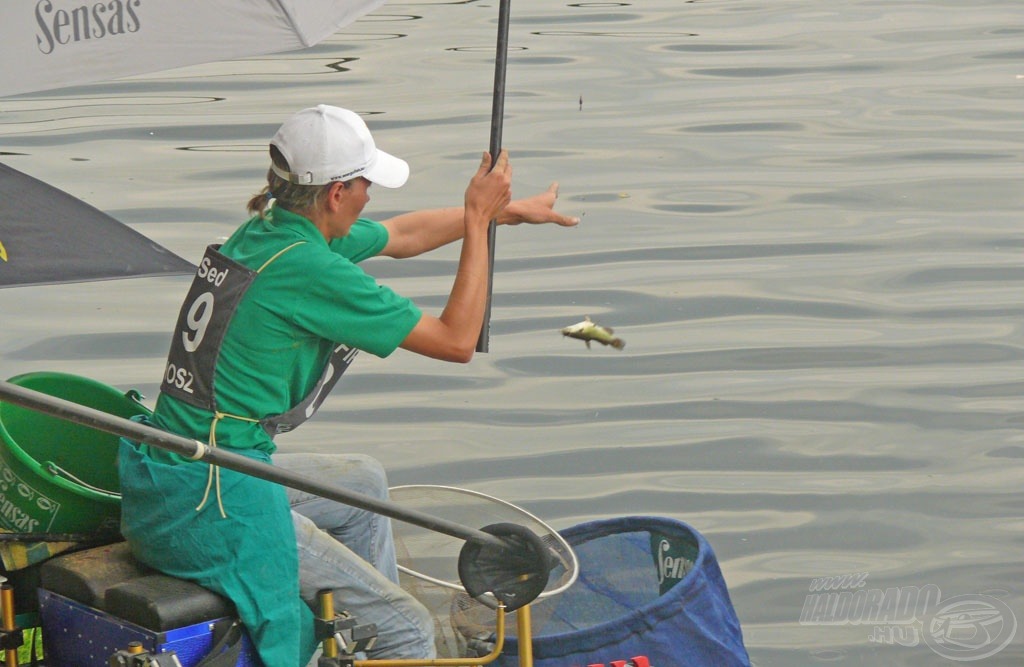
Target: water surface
(803,217)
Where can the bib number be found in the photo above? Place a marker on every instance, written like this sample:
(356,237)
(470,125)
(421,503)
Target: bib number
(197,319)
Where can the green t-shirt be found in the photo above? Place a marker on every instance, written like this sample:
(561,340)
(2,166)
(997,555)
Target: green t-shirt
(301,305)
(298,308)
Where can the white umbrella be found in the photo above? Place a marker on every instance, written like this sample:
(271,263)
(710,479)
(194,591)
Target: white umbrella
(46,44)
(47,236)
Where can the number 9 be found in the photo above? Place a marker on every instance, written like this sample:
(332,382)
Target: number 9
(197,319)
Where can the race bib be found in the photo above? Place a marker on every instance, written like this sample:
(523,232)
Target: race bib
(218,287)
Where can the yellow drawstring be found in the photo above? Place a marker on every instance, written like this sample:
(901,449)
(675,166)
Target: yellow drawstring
(217,416)
(214,475)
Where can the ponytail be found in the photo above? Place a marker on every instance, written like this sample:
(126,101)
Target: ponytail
(260,202)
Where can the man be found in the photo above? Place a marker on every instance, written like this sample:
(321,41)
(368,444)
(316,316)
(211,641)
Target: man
(273,317)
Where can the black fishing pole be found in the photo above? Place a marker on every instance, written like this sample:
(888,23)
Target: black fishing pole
(198,451)
(497,119)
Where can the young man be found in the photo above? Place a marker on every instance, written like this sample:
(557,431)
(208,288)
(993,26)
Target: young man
(273,317)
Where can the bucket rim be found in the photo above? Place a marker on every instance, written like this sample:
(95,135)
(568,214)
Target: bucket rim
(9,445)
(665,606)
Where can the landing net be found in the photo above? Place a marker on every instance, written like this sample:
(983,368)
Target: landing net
(428,560)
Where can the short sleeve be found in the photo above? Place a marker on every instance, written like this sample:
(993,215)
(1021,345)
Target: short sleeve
(346,305)
(365,239)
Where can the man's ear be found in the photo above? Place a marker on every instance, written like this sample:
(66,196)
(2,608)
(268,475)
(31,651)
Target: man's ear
(335,195)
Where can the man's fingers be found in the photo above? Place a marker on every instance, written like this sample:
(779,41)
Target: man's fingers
(485,163)
(500,165)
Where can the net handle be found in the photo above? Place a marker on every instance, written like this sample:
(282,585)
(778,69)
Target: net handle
(199,451)
(530,562)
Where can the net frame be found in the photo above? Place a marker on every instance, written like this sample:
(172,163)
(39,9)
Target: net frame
(558,547)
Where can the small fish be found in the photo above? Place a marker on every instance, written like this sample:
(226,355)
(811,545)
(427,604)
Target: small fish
(588,331)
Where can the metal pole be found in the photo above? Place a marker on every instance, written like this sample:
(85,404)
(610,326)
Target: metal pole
(198,451)
(9,623)
(524,625)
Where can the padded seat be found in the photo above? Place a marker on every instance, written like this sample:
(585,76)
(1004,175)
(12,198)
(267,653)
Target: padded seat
(109,578)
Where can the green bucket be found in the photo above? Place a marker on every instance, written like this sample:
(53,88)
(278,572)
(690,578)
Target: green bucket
(57,476)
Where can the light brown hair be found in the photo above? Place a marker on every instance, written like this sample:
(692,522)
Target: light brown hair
(294,197)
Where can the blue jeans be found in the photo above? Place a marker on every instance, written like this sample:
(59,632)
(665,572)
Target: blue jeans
(352,552)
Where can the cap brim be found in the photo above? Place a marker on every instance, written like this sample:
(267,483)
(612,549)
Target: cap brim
(387,171)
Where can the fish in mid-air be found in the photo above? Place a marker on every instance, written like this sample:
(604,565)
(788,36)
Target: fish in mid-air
(588,331)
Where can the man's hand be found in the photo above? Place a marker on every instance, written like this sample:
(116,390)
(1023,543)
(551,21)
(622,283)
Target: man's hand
(537,209)
(490,190)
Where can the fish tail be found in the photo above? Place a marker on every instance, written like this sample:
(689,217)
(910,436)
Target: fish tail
(618,343)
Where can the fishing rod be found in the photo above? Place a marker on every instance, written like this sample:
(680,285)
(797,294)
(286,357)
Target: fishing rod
(199,451)
(497,120)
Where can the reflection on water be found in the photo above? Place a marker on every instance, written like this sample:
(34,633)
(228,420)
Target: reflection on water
(804,217)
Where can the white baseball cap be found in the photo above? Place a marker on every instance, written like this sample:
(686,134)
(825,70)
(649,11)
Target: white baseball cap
(324,144)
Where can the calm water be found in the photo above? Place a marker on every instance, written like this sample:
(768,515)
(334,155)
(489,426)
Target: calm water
(803,216)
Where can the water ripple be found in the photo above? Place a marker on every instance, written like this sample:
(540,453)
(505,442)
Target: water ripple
(803,217)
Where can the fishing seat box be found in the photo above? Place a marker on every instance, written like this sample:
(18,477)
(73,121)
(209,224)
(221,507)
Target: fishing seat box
(93,603)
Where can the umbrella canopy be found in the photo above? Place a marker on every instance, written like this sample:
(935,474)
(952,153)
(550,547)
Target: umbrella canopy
(48,236)
(48,44)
